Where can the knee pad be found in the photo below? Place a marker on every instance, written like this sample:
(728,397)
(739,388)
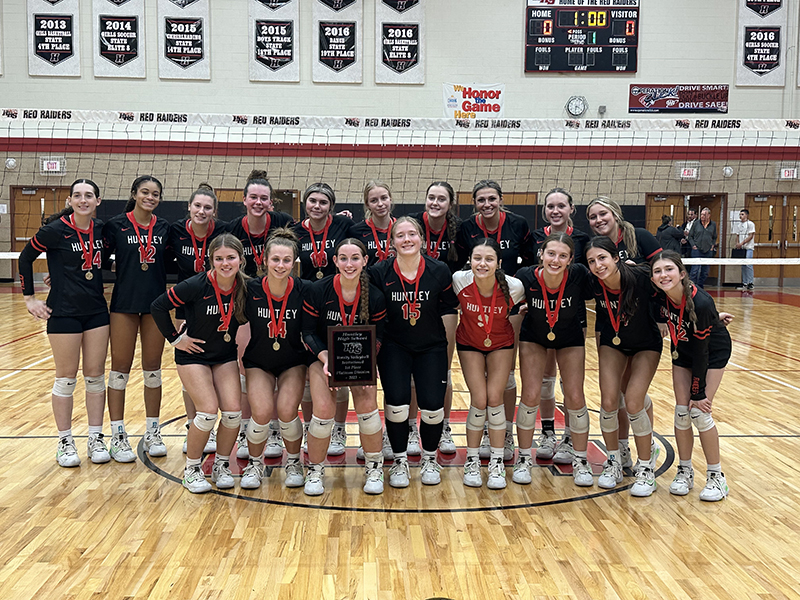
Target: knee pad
(608,420)
(548,388)
(307,393)
(243,383)
(432,417)
(511,384)
(152,379)
(343,394)
(640,423)
(117,380)
(95,385)
(682,419)
(291,431)
(369,423)
(579,420)
(396,414)
(475,419)
(526,417)
(205,421)
(231,419)
(497,417)
(256,432)
(64,386)
(702,420)
(320,429)
(648,402)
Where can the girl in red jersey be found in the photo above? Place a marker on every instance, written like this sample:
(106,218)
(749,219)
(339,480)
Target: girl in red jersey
(139,241)
(76,314)
(485,342)
(205,355)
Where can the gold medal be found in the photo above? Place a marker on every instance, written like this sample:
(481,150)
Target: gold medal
(551,336)
(145,267)
(276,346)
(89,276)
(319,275)
(413,321)
(616,341)
(227,337)
(487,342)
(674,355)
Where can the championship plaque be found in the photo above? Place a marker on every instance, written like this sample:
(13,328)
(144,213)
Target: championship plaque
(352,354)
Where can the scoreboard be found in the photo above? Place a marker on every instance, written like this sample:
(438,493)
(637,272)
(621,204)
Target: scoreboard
(581,35)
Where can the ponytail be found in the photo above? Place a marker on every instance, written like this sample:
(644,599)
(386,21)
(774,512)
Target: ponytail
(502,283)
(364,281)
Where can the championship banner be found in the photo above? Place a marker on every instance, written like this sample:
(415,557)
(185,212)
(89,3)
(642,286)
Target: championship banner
(183,35)
(118,38)
(761,44)
(337,41)
(473,101)
(675,98)
(399,39)
(53,34)
(273,40)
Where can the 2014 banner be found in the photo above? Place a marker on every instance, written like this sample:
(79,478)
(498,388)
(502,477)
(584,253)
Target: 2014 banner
(118,38)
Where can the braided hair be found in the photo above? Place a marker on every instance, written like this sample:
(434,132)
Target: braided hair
(137,183)
(227,240)
(499,274)
(675,258)
(628,302)
(451,219)
(363,279)
(628,231)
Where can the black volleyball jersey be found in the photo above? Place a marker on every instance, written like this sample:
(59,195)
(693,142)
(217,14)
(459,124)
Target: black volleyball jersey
(647,246)
(266,329)
(423,304)
(140,265)
(191,255)
(571,316)
(436,243)
(636,331)
(513,235)
(378,247)
(321,310)
(204,320)
(70,257)
(322,262)
(254,244)
(579,238)
(694,340)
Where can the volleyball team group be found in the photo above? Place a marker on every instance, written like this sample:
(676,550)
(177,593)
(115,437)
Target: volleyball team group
(255,298)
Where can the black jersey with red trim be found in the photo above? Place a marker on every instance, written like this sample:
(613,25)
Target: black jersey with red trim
(363,232)
(435,298)
(636,331)
(579,238)
(321,310)
(136,288)
(339,229)
(516,242)
(435,248)
(71,294)
(203,319)
(255,243)
(571,316)
(647,246)
(696,340)
(180,241)
(264,327)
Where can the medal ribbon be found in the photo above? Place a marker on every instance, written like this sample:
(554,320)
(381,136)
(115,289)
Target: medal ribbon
(224,317)
(499,229)
(347,320)
(280,327)
(490,319)
(673,331)
(548,230)
(552,315)
(86,254)
(434,253)
(143,252)
(412,306)
(200,257)
(316,255)
(614,318)
(259,258)
(381,251)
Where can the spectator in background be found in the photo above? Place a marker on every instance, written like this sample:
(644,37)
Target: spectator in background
(691,219)
(746,230)
(669,236)
(703,239)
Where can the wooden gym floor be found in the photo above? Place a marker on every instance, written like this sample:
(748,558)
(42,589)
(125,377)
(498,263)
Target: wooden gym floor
(132,531)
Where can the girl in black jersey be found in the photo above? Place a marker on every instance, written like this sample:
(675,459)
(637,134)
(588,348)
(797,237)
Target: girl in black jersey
(421,307)
(76,314)
(554,324)
(626,330)
(205,355)
(138,240)
(373,231)
(189,239)
(346,298)
(701,347)
(557,212)
(275,354)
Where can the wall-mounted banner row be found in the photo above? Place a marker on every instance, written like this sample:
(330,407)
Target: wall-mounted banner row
(118,38)
(273,38)
(761,43)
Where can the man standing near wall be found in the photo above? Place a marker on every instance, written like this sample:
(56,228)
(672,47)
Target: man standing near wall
(691,219)
(702,237)
(746,230)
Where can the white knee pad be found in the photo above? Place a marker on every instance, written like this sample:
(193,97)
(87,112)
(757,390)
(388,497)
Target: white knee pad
(256,432)
(205,421)
(231,420)
(526,417)
(702,420)
(95,385)
(369,423)
(320,429)
(608,420)
(117,380)
(152,379)
(475,419)
(243,383)
(579,420)
(497,417)
(432,417)
(64,386)
(343,394)
(682,419)
(396,414)
(648,402)
(511,384)
(640,423)
(291,431)
(548,388)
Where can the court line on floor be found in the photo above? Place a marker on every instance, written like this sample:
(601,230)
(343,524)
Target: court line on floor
(24,337)
(18,371)
(767,377)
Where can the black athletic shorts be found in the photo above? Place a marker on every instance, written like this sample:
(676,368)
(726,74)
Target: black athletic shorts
(277,370)
(485,351)
(76,324)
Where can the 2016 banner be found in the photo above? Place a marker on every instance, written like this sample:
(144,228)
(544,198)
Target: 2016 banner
(762,43)
(118,38)
(53,36)
(337,41)
(273,40)
(399,41)
(183,35)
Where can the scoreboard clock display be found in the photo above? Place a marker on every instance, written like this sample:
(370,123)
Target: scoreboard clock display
(597,36)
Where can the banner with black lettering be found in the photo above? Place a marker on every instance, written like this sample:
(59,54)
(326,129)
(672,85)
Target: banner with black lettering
(273,48)
(399,39)
(118,38)
(761,44)
(53,34)
(337,41)
(183,36)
